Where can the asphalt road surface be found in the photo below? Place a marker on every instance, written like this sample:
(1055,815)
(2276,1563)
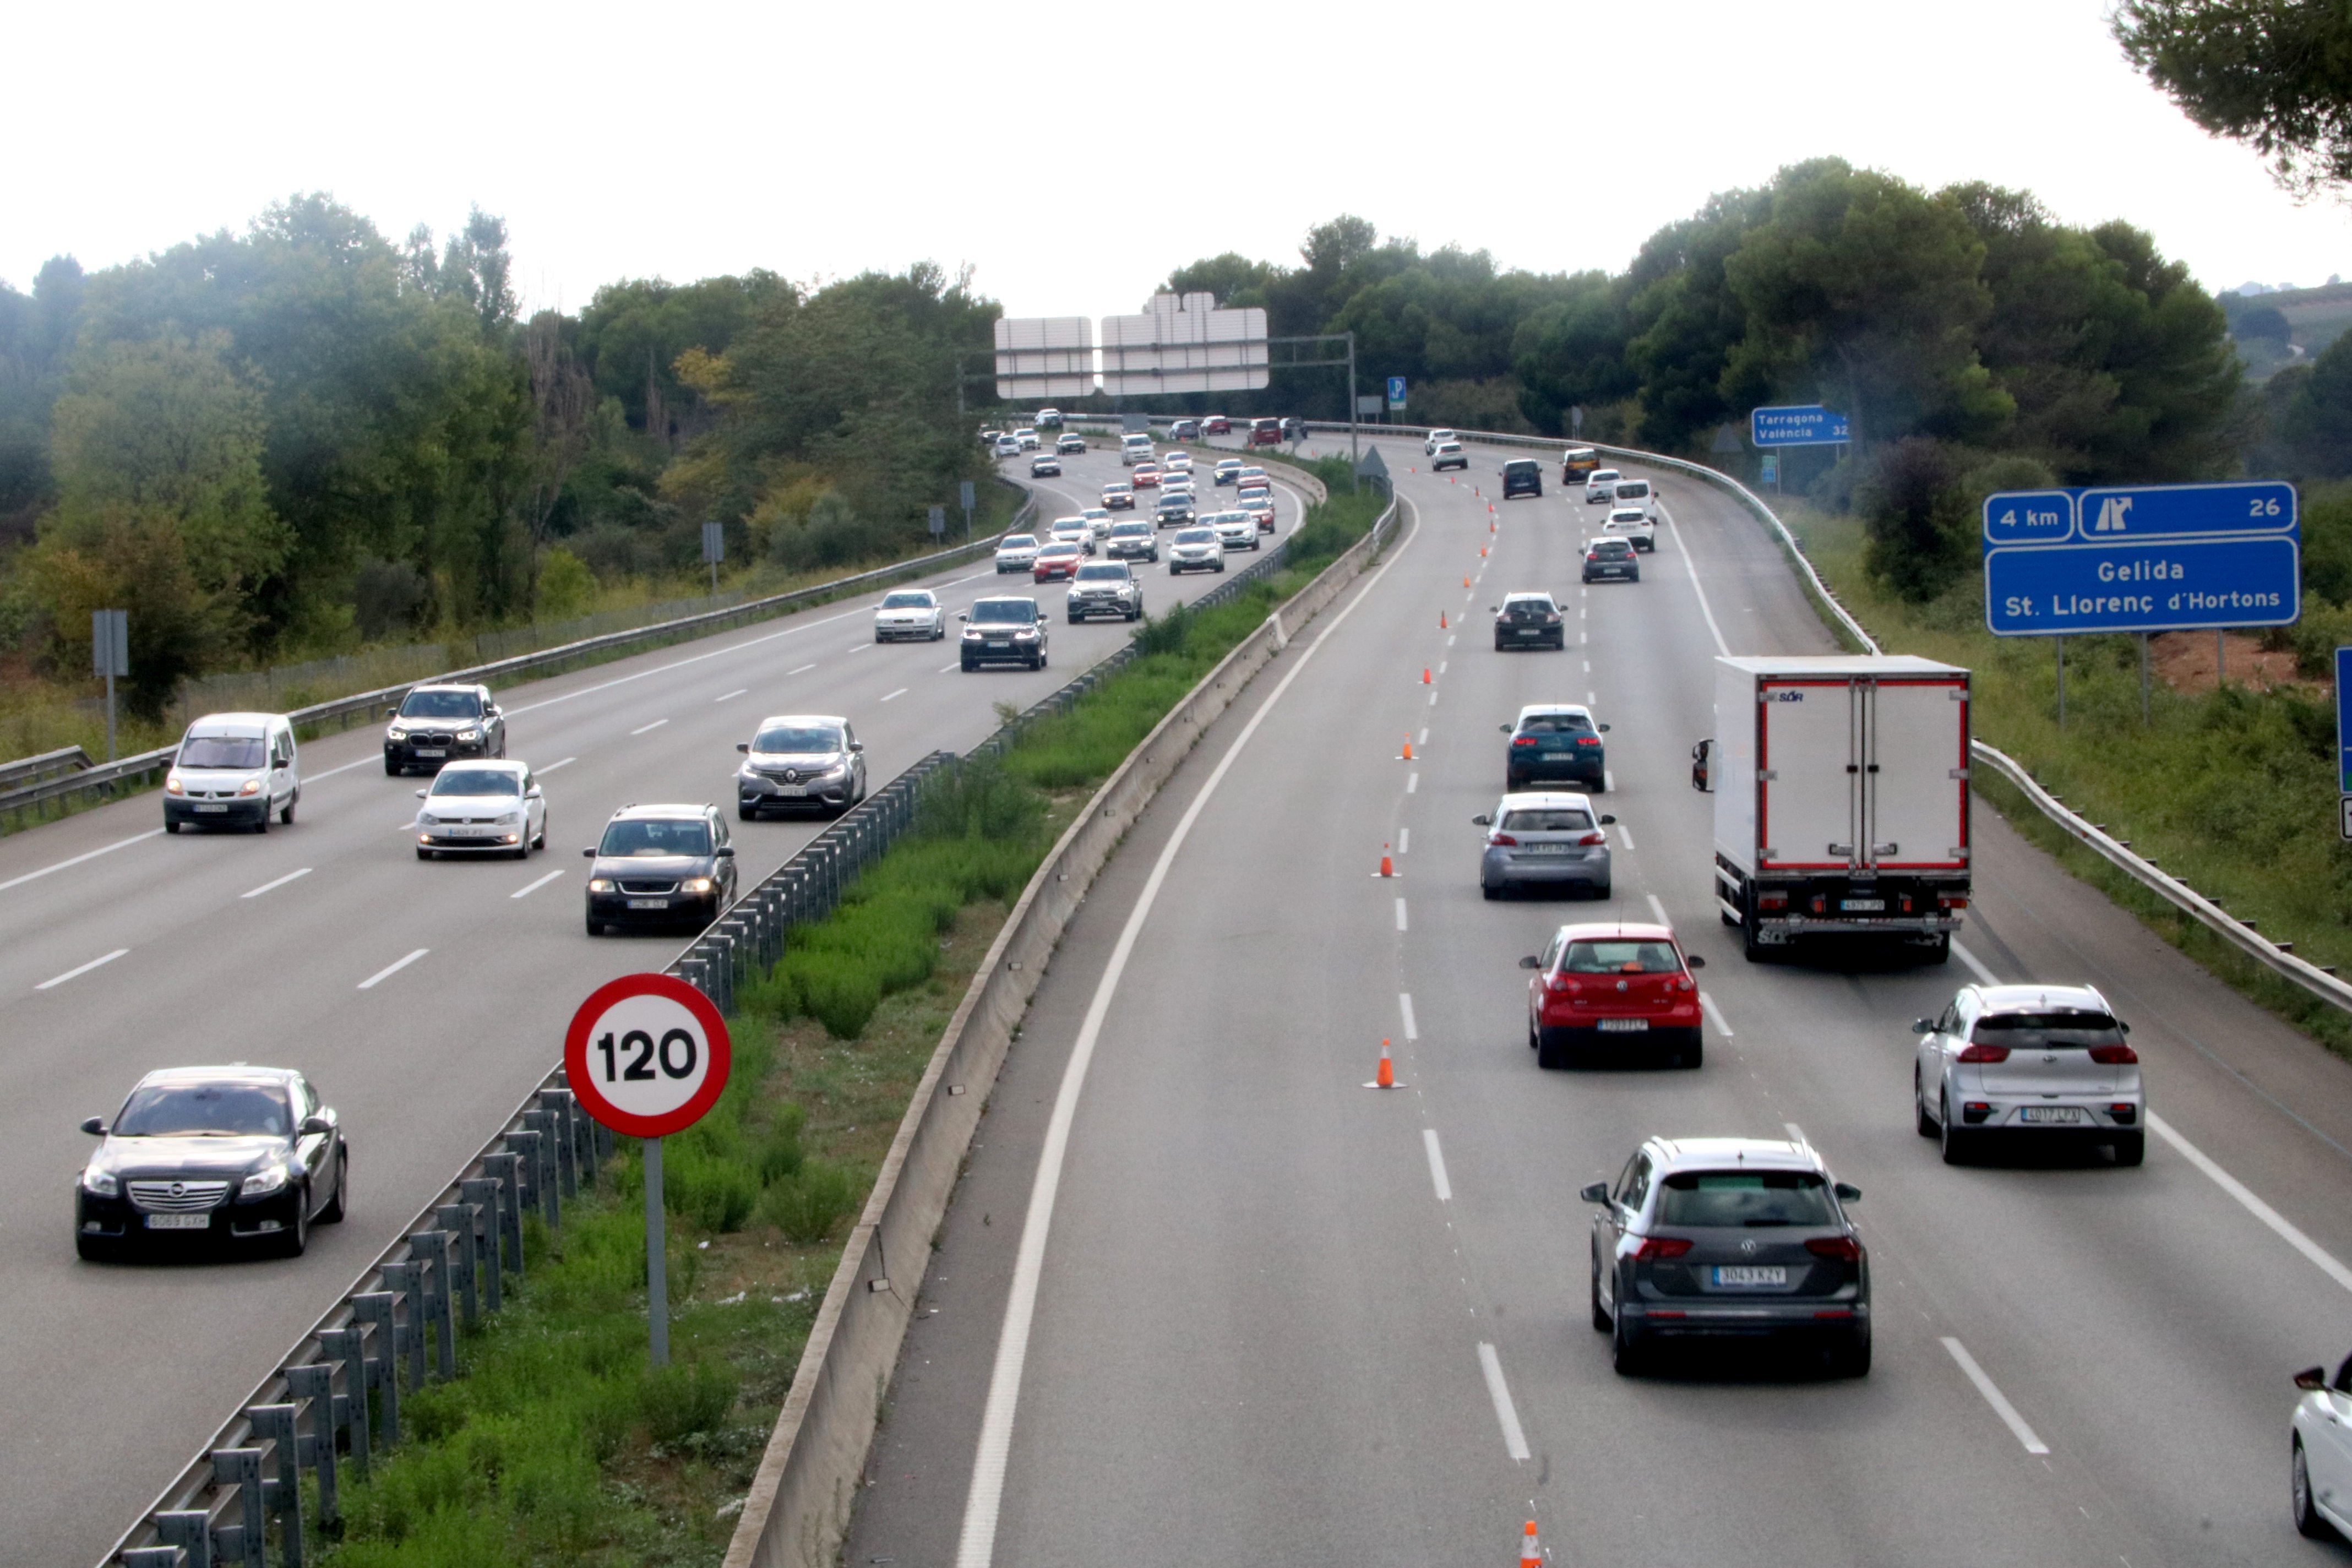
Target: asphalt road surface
(219,947)
(1278,1317)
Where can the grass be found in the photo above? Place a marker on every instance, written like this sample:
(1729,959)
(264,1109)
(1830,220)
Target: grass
(2232,792)
(559,1445)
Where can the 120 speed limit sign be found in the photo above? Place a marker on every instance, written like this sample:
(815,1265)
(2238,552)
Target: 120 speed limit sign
(647,1055)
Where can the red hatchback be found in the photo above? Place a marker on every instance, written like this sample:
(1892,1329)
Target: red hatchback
(1146,475)
(1614,985)
(1057,562)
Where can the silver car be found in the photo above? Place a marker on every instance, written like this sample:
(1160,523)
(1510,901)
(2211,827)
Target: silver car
(489,808)
(2320,1452)
(1104,588)
(1632,525)
(1196,549)
(799,760)
(1017,553)
(1234,530)
(2028,1062)
(1548,839)
(910,614)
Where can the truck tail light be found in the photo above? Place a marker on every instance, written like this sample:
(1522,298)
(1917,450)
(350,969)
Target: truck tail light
(1654,1248)
(1820,904)
(1982,1053)
(1765,902)
(2116,1055)
(1952,901)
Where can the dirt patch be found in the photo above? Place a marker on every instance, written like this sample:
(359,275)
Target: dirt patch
(2185,662)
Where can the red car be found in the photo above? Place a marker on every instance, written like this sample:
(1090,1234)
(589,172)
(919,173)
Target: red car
(1057,562)
(1266,433)
(1624,985)
(1216,424)
(1258,503)
(1146,475)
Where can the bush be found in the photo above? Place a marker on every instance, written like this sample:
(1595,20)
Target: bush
(1917,518)
(806,1207)
(566,587)
(692,1396)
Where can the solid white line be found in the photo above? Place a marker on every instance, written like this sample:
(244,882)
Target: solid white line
(389,970)
(1715,1014)
(976,1546)
(682,663)
(1976,964)
(1404,839)
(1412,783)
(91,855)
(900,692)
(1994,1397)
(552,766)
(1400,914)
(1626,833)
(2262,1211)
(525,892)
(1515,1441)
(732,695)
(1436,1165)
(84,969)
(1404,1006)
(331,773)
(655,726)
(801,670)
(1690,568)
(266,887)
(1658,908)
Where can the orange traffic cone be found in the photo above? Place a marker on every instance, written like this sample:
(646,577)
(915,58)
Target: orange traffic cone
(1407,756)
(1386,1077)
(1482,552)
(1475,490)
(1530,1551)
(1466,579)
(1440,620)
(1424,675)
(1490,521)
(1388,866)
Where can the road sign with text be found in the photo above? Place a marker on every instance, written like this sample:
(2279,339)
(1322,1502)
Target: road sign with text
(647,1055)
(1798,424)
(2142,558)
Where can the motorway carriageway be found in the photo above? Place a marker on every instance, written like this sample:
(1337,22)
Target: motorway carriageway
(1279,1318)
(423,999)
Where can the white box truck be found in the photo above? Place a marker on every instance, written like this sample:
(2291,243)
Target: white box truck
(1841,789)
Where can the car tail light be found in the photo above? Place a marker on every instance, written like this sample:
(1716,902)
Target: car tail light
(1594,838)
(1983,1052)
(1834,1314)
(1686,984)
(1592,555)
(1837,1248)
(1654,1248)
(1524,740)
(2116,1055)
(1588,740)
(2126,1114)
(1561,984)
(1503,838)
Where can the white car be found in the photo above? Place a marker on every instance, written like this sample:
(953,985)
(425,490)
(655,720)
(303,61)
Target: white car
(2044,1063)
(1600,485)
(1074,531)
(1637,492)
(1097,521)
(1017,553)
(1438,438)
(1448,454)
(1071,445)
(1196,549)
(1180,462)
(1044,466)
(2320,1443)
(1028,440)
(1234,530)
(1006,446)
(1633,524)
(910,614)
(489,808)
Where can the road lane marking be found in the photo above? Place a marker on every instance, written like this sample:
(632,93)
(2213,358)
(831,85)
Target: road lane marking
(331,773)
(1626,833)
(642,729)
(1432,698)
(389,970)
(1400,914)
(1797,1135)
(1658,908)
(731,696)
(1440,667)
(527,890)
(81,970)
(900,692)
(1608,780)
(859,648)
(801,670)
(947,669)
(1449,639)
(1404,1006)
(1994,1397)
(976,1543)
(2287,1232)
(681,664)
(1412,783)
(552,766)
(1690,569)
(1592,700)
(1977,965)
(1404,839)
(1425,736)
(268,887)
(1515,1441)
(90,855)
(1715,1014)
(1587,667)
(1436,1165)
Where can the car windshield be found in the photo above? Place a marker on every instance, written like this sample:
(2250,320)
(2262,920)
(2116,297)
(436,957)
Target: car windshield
(2047,1031)
(442,705)
(1527,609)
(221,752)
(917,601)
(1553,724)
(1106,573)
(1620,955)
(1553,820)
(1130,530)
(1196,536)
(649,835)
(476,781)
(800,740)
(1019,541)
(204,1110)
(1005,611)
(1117,490)
(1745,1198)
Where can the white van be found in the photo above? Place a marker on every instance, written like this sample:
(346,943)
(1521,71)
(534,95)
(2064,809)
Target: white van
(1135,447)
(234,770)
(1636,493)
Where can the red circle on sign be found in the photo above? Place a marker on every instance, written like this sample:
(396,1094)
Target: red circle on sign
(714,1055)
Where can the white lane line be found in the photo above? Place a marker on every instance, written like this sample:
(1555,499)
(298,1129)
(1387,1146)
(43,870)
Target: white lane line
(1432,698)
(801,670)
(1626,833)
(2328,1264)
(900,692)
(1797,1135)
(1977,965)
(1658,908)
(642,729)
(1715,1014)
(331,773)
(1994,1397)
(1404,839)
(976,1544)
(680,664)
(859,648)
(1425,736)
(1449,639)
(389,970)
(1404,1006)
(1690,569)
(1400,914)
(1412,783)
(550,767)
(1436,1165)
(91,855)
(731,696)
(1587,667)
(1592,700)
(1440,667)
(527,890)
(1608,780)
(81,970)
(267,887)
(1515,1441)
(947,669)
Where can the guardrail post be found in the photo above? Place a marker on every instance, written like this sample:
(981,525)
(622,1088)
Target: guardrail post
(379,1375)
(565,1113)
(282,1493)
(433,1248)
(406,1280)
(482,1195)
(189,1530)
(464,1256)
(507,1169)
(543,1163)
(349,1413)
(154,1557)
(315,1386)
(242,1541)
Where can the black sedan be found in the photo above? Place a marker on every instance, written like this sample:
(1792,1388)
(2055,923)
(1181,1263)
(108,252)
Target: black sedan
(238,1156)
(660,865)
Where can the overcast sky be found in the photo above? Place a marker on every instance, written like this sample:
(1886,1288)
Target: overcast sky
(1073,156)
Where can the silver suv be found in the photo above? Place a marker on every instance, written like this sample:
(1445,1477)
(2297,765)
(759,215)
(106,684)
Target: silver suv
(2030,1063)
(1104,588)
(1732,1238)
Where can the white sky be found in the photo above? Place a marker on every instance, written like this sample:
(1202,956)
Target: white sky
(818,141)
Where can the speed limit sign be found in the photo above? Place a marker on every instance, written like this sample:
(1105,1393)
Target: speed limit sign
(647,1055)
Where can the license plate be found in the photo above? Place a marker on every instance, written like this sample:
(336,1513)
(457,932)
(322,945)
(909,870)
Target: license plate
(179,1222)
(212,808)
(1624,1025)
(1749,1276)
(648,903)
(792,789)
(432,751)
(469,832)
(1548,848)
(2062,1115)
(1528,632)
(1863,906)
(1554,756)
(992,643)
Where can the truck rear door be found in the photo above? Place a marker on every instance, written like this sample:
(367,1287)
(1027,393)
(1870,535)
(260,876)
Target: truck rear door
(1916,745)
(1805,791)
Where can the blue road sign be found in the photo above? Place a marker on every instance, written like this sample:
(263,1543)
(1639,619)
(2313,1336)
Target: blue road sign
(1797,425)
(1396,393)
(2343,728)
(2148,558)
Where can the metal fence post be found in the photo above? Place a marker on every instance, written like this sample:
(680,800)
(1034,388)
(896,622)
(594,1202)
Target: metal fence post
(154,1557)
(507,1169)
(349,1409)
(406,1281)
(189,1530)
(543,1183)
(483,1194)
(373,1309)
(432,1248)
(315,1386)
(240,1467)
(565,1115)
(463,1256)
(282,1493)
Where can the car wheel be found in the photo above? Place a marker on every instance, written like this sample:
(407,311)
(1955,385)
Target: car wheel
(286,812)
(170,826)
(1041,660)
(106,1249)
(1601,889)
(263,826)
(2131,1148)
(1921,1123)
(422,853)
(1693,1054)
(540,842)
(1490,894)
(752,814)
(294,1241)
(1850,1357)
(522,850)
(391,770)
(339,1205)
(1624,1350)
(595,928)
(1602,1322)
(1552,1051)
(1956,1141)
(2307,1522)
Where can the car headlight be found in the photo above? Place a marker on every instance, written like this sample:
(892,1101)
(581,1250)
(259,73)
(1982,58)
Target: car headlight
(1025,636)
(172,785)
(695,885)
(267,1180)
(600,884)
(469,734)
(396,733)
(250,786)
(100,1183)
(971,634)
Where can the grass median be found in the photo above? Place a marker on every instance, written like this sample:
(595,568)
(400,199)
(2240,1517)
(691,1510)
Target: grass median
(558,1443)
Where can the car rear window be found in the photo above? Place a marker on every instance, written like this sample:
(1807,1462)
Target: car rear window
(1553,724)
(1611,547)
(1601,476)
(1634,514)
(1553,820)
(651,836)
(1527,609)
(1633,489)
(221,752)
(197,1109)
(1520,465)
(1005,611)
(1620,955)
(2046,1031)
(1745,1198)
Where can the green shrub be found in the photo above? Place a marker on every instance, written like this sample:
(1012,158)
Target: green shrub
(691,1397)
(807,1205)
(780,1146)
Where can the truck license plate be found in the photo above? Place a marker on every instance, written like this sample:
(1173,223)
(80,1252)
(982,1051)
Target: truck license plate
(1863,906)
(179,1222)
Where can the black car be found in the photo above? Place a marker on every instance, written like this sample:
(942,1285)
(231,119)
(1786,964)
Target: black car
(1003,631)
(1172,510)
(435,723)
(1522,477)
(660,865)
(1557,744)
(1612,558)
(242,1156)
(1529,620)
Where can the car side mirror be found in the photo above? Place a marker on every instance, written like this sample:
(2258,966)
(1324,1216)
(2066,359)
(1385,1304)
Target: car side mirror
(1923,1025)
(1505,729)
(725,852)
(856,745)
(1483,820)
(744,747)
(95,1126)
(2308,1379)
(1531,961)
(590,852)
(1493,609)
(1847,1193)
(490,711)
(312,1126)
(534,792)
(1605,728)
(1598,1192)
(2122,1027)
(1696,961)
(393,711)
(420,794)
(1607,820)
(961,615)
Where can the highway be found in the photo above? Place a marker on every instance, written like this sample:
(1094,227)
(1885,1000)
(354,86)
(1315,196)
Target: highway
(424,1000)
(1278,1317)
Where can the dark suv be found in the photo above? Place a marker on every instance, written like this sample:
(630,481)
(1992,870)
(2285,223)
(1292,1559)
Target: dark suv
(435,723)
(1522,477)
(1555,742)
(1003,631)
(660,865)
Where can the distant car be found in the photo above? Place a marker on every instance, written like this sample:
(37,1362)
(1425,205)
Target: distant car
(1145,477)
(2319,1452)
(1118,497)
(1555,742)
(1611,558)
(1266,433)
(230,1156)
(1259,504)
(1216,424)
(1522,477)
(1448,454)
(1071,445)
(1097,521)
(1548,839)
(1028,440)
(1227,471)
(1196,549)
(1234,530)
(1632,525)
(910,614)
(1529,620)
(1635,493)
(1600,485)
(1436,439)
(1073,531)
(1614,984)
(1132,540)
(1017,553)
(798,760)
(237,770)
(1056,562)
(437,725)
(1044,466)
(2035,1065)
(1293,429)
(1049,419)
(660,865)
(989,438)
(1178,462)
(1576,463)
(1006,630)
(1104,588)
(1006,446)
(1739,1238)
(491,808)
(1136,447)
(1184,430)
(1173,510)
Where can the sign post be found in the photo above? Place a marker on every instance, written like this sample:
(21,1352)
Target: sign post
(1396,394)
(2344,739)
(970,498)
(647,1055)
(109,656)
(1576,422)
(939,522)
(714,550)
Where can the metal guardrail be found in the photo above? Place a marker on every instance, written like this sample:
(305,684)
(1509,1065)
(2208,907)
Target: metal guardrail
(48,764)
(106,776)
